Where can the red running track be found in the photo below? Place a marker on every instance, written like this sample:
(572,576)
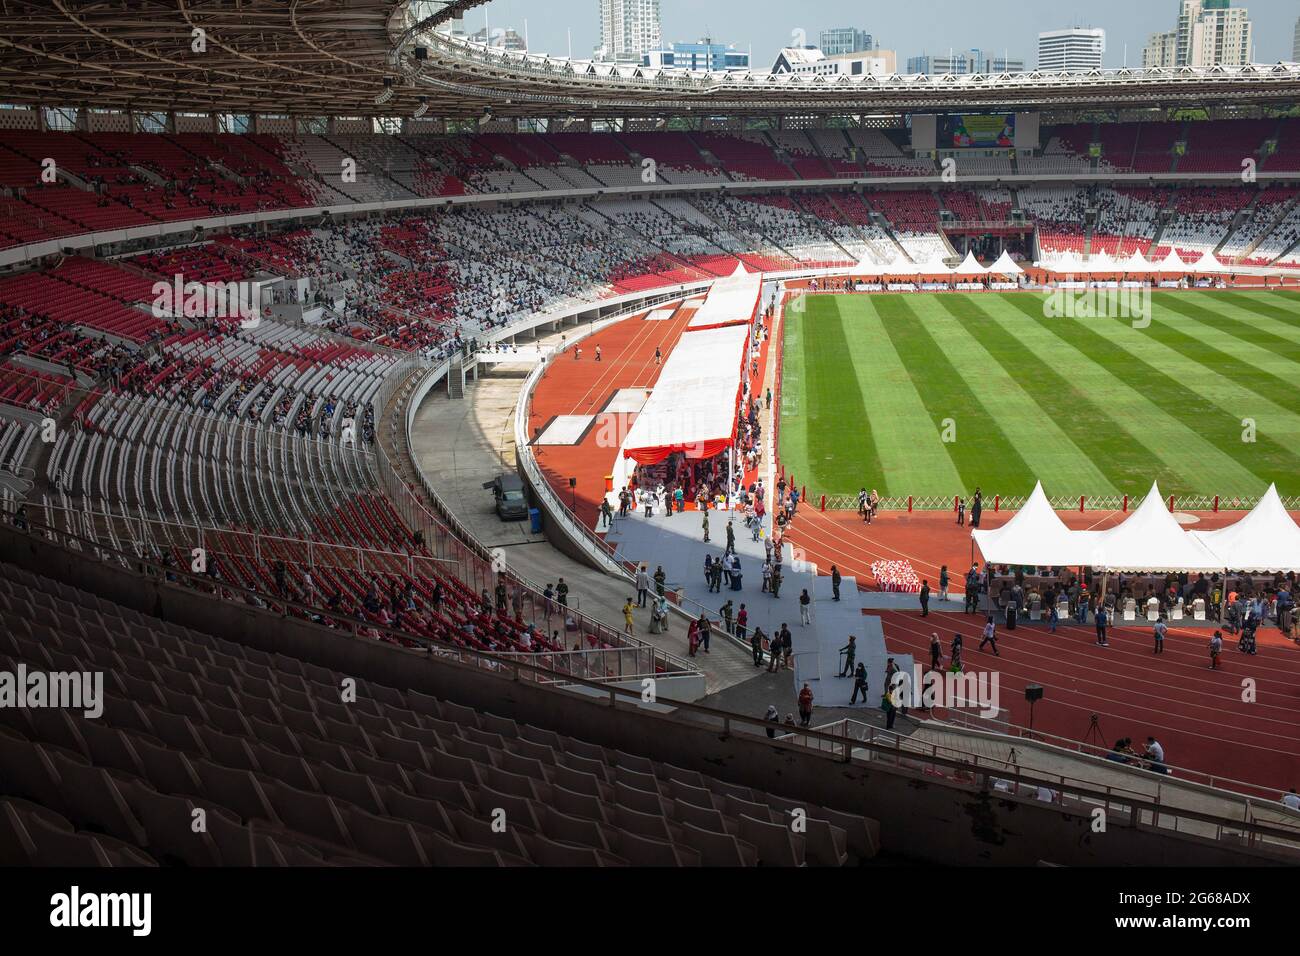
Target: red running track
(1197,714)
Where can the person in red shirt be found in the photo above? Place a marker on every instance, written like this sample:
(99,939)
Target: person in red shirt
(805,706)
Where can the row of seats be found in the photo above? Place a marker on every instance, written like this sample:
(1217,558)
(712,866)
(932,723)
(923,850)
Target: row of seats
(285,771)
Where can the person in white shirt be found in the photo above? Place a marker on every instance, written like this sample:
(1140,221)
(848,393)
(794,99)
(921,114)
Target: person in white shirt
(1160,630)
(1155,755)
(1291,800)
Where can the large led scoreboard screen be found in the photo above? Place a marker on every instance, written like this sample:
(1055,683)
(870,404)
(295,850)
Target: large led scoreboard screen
(978,131)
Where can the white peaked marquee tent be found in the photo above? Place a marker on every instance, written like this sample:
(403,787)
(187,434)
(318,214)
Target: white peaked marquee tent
(1173,263)
(970,266)
(1138,263)
(1036,535)
(1208,263)
(1149,540)
(1101,262)
(1005,266)
(1265,540)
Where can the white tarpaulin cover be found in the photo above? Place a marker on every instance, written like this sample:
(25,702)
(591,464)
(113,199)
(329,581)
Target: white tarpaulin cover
(731,300)
(693,405)
(1265,540)
(1005,266)
(1036,536)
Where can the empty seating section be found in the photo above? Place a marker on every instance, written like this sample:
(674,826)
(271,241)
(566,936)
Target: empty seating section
(1267,221)
(58,295)
(289,775)
(1221,146)
(745,156)
(882,157)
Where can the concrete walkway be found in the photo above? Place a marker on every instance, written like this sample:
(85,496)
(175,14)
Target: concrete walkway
(462,443)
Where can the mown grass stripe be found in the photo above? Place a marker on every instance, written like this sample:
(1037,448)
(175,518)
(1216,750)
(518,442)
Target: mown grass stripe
(1053,451)
(983,453)
(827,416)
(914,461)
(1246,374)
(1207,433)
(1094,431)
(1233,324)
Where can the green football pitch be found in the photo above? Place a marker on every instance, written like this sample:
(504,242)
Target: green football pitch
(935,394)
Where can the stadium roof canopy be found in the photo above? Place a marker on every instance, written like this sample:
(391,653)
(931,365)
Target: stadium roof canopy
(331,57)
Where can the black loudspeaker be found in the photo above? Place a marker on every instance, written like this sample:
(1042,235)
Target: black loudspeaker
(421,52)
(573,482)
(1033,692)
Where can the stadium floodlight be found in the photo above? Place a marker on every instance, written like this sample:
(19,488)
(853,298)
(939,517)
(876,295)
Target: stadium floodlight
(422,108)
(486,117)
(386,94)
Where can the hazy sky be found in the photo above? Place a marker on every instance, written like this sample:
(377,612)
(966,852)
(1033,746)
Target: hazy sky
(917,26)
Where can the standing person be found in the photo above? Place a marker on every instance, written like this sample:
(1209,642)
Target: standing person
(742,622)
(726,611)
(627,616)
(805,706)
(888,706)
(1053,617)
(835,582)
(787,647)
(1158,632)
(773,720)
(775,650)
(562,593)
(954,653)
(597,353)
(661,578)
(925,599)
(943,583)
(805,608)
(756,645)
(976,508)
(862,503)
(705,631)
(1100,618)
(850,650)
(767,576)
(990,636)
(1216,649)
(693,637)
(859,684)
(961,511)
(936,652)
(659,356)
(775,585)
(731,537)
(705,524)
(642,586)
(606,514)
